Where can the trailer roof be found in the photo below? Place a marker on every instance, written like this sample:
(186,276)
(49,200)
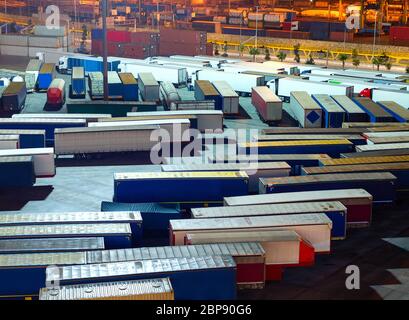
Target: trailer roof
(69,217)
(127,78)
(115,269)
(249,222)
(51,244)
(305,100)
(325,178)
(380,147)
(268,209)
(347,104)
(294,143)
(60,230)
(249,235)
(5,159)
(285,197)
(180,175)
(26,152)
(147,79)
(368,167)
(47,68)
(241,249)
(105,129)
(327,103)
(34,65)
(107,290)
(41,259)
(78,73)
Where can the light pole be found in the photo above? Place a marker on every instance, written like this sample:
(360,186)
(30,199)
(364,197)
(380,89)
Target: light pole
(255,41)
(105,47)
(374,39)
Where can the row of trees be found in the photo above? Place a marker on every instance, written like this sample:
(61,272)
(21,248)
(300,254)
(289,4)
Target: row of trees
(378,61)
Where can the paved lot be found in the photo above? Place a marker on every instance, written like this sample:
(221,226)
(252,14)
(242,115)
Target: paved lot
(83,184)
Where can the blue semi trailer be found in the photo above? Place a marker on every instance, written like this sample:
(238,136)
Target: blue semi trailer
(89,63)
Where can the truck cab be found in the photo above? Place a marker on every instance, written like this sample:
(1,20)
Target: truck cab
(62,66)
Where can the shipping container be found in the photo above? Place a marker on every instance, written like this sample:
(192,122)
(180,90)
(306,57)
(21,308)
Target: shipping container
(115,87)
(228,97)
(399,169)
(172,130)
(253,170)
(49,125)
(56,93)
(116,235)
(42,158)
(27,138)
(294,160)
(179,187)
(96,85)
(375,112)
(89,63)
(17,171)
(13,97)
(305,110)
(31,74)
(357,201)
(377,153)
(249,257)
(383,147)
(283,248)
(314,228)
(204,90)
(381,185)
(176,75)
(296,130)
(267,104)
(400,113)
(333,114)
(129,86)
(148,87)
(78,88)
(202,119)
(399,96)
(356,139)
(150,289)
(353,113)
(334,210)
(9,142)
(288,85)
(45,76)
(155,216)
(212,277)
(24,274)
(92,140)
(169,95)
(241,84)
(21,246)
(331,147)
(133,218)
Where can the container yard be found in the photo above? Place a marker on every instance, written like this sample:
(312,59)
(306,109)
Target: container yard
(205,151)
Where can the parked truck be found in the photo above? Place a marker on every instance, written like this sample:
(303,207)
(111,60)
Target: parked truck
(229,99)
(14,97)
(177,75)
(286,85)
(78,87)
(268,105)
(241,84)
(148,87)
(89,63)
(45,76)
(31,74)
(56,94)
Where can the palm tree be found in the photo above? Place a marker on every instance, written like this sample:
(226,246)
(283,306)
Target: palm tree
(254,51)
(377,62)
(296,49)
(281,56)
(407,69)
(343,57)
(241,49)
(225,50)
(267,54)
(216,50)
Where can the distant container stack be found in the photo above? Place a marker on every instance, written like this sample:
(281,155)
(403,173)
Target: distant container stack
(136,45)
(184,42)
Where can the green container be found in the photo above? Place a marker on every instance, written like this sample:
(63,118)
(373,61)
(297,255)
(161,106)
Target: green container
(115,108)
